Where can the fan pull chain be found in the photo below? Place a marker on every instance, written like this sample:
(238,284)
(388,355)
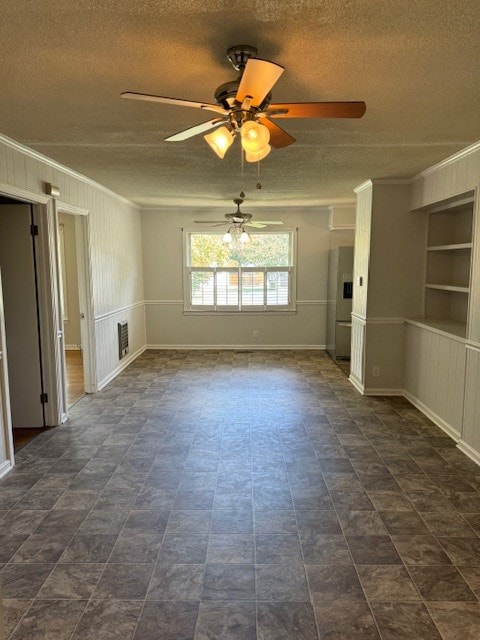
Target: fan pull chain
(259,184)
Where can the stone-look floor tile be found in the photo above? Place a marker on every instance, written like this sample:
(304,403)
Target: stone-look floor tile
(183,549)
(71,582)
(374,550)
(456,620)
(390,501)
(189,522)
(325,549)
(271,521)
(230,548)
(229,582)
(387,584)
(283,583)
(52,619)
(232,522)
(18,523)
(404,523)
(448,524)
(472,577)
(77,499)
(155,498)
(348,500)
(463,551)
(362,523)
(149,521)
(13,611)
(420,550)
(345,620)
(277,548)
(398,621)
(333,583)
(226,620)
(142,548)
(107,521)
(441,584)
(473,520)
(123,582)
(9,544)
(24,581)
(41,548)
(61,521)
(169,620)
(322,522)
(108,620)
(286,620)
(89,547)
(181,582)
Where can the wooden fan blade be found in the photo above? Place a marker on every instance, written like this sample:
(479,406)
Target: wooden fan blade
(318,110)
(195,131)
(145,97)
(258,78)
(278,137)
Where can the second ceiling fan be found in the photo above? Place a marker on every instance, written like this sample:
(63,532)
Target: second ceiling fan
(243,106)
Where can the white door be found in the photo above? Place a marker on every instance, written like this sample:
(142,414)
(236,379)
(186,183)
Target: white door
(21,315)
(6,435)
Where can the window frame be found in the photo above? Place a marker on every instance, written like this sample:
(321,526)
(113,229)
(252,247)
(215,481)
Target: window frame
(188,307)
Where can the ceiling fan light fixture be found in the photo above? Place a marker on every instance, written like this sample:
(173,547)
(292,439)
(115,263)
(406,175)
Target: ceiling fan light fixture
(250,156)
(220,141)
(227,238)
(244,237)
(255,136)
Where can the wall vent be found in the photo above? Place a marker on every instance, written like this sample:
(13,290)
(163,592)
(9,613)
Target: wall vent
(122,339)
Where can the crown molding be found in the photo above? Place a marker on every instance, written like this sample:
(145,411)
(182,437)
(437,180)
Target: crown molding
(463,153)
(35,155)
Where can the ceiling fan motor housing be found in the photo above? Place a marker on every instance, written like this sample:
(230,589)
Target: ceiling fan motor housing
(239,55)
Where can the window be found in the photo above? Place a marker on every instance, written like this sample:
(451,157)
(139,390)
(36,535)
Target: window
(255,276)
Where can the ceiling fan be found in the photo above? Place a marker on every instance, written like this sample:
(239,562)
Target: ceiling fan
(237,221)
(243,106)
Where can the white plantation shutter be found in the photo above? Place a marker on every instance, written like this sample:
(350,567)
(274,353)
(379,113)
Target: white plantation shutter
(227,288)
(253,288)
(241,288)
(278,288)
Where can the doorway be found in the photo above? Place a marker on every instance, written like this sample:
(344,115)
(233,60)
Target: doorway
(21,318)
(69,290)
(75,303)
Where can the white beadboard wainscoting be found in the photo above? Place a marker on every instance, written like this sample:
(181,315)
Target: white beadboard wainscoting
(168,327)
(435,376)
(356,362)
(108,363)
(470,443)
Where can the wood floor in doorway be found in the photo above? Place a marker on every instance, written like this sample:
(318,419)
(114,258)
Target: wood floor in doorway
(75,380)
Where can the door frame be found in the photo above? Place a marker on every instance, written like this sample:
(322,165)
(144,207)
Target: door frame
(5,412)
(52,356)
(85,292)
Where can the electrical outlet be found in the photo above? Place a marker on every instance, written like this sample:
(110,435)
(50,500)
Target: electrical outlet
(255,334)
(376,372)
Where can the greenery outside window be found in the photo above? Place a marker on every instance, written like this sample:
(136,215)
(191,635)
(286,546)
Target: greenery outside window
(255,276)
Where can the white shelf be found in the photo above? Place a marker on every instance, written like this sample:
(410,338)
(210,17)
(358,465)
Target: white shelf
(450,247)
(448,327)
(448,287)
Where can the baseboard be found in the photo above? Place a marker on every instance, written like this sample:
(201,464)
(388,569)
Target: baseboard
(357,384)
(382,392)
(103,383)
(238,347)
(440,422)
(469,451)
(5,467)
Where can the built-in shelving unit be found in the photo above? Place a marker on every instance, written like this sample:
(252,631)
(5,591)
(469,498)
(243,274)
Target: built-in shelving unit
(448,265)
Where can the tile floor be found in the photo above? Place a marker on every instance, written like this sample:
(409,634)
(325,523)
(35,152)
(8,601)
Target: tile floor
(236,496)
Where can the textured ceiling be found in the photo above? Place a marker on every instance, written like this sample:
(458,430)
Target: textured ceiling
(414,63)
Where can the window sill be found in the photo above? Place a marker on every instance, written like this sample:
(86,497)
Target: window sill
(210,312)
